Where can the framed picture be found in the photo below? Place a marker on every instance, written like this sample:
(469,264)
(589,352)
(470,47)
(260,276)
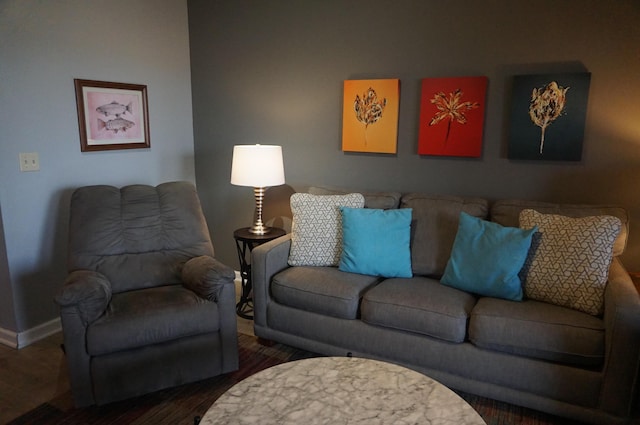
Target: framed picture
(112,115)
(370,116)
(452,116)
(548,115)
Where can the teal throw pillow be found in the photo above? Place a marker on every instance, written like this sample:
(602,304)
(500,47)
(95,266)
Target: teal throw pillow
(487,257)
(376,242)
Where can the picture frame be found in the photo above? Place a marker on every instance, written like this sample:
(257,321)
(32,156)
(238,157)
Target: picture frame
(452,111)
(112,116)
(548,116)
(370,114)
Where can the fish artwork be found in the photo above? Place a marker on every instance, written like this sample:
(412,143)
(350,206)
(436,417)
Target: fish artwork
(115,125)
(114,108)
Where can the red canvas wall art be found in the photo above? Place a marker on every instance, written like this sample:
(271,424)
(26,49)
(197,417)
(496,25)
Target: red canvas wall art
(452,116)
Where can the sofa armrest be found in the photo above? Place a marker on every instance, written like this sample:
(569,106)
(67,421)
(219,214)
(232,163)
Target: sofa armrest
(86,293)
(267,260)
(206,276)
(622,341)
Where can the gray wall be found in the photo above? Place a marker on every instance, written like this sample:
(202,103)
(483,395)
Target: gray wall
(7,313)
(44,46)
(272,73)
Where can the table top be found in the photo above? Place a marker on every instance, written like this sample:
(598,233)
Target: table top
(244,234)
(340,390)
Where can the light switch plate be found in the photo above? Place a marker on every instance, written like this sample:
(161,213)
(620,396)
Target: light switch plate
(29,161)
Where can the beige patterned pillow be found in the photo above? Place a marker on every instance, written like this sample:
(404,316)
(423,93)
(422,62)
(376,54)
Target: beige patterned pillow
(316,230)
(569,260)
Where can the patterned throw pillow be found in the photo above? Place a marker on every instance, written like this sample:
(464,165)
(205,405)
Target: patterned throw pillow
(316,230)
(569,260)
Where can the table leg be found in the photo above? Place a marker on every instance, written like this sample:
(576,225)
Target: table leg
(244,308)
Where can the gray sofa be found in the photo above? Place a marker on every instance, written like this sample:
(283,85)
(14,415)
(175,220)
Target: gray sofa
(530,353)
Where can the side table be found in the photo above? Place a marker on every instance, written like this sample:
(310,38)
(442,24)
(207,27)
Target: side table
(245,242)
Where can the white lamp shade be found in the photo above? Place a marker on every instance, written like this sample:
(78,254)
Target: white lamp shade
(257,166)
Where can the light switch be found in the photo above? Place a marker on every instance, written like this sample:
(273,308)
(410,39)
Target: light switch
(29,161)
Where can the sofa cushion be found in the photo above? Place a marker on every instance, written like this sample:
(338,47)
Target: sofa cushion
(539,330)
(380,200)
(487,257)
(322,290)
(434,228)
(569,260)
(316,231)
(507,213)
(421,305)
(376,242)
(151,316)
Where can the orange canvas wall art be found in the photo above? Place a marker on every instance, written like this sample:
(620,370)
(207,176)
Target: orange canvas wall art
(452,116)
(370,116)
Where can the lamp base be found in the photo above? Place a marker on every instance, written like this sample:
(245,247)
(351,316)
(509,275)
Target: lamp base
(257,229)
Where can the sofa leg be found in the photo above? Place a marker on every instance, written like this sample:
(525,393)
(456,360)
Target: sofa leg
(266,342)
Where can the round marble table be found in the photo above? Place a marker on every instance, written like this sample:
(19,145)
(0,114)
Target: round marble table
(340,390)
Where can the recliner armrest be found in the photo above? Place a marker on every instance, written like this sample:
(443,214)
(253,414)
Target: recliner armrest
(86,291)
(205,276)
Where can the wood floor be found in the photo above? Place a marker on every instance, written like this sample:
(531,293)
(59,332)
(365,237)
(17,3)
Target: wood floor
(38,373)
(31,376)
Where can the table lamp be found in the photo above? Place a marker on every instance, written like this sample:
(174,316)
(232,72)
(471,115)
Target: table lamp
(258,166)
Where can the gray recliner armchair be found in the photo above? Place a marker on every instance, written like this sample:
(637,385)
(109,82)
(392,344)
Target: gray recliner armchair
(146,305)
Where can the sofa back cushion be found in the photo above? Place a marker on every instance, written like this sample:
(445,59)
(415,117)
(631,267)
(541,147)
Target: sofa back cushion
(434,228)
(379,200)
(507,213)
(137,236)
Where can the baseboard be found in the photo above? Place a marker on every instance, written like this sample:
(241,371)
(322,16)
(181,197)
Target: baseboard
(22,339)
(8,338)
